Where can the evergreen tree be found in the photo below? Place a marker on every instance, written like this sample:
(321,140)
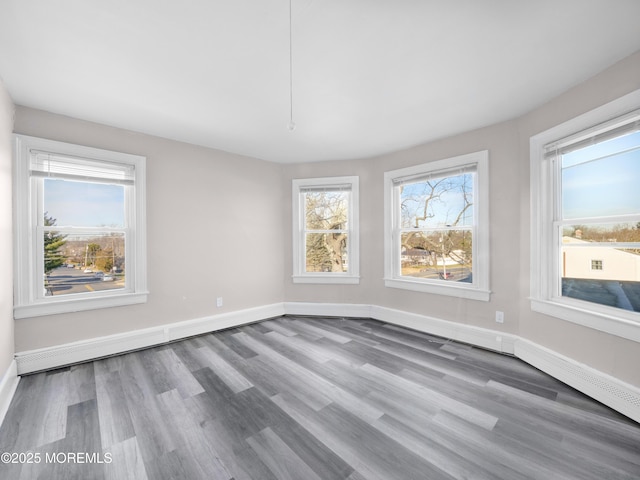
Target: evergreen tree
(53,241)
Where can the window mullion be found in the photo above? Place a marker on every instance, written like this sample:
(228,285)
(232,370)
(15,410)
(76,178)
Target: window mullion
(599,220)
(328,231)
(555,285)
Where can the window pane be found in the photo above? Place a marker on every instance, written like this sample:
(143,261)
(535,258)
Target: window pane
(326,210)
(445,201)
(600,263)
(83,263)
(602,180)
(326,252)
(607,275)
(624,295)
(444,255)
(84,204)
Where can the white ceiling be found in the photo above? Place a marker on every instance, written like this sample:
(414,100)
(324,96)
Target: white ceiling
(369,76)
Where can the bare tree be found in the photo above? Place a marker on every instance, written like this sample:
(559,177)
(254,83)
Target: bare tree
(53,243)
(437,212)
(326,223)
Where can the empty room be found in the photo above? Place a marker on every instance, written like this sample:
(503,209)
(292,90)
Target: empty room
(311,239)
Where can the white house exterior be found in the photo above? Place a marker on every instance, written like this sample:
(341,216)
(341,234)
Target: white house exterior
(582,260)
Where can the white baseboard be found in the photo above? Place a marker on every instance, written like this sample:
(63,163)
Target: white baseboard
(482,337)
(8,385)
(84,350)
(328,309)
(614,393)
(608,390)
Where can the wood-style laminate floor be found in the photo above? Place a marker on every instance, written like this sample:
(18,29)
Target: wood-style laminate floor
(313,398)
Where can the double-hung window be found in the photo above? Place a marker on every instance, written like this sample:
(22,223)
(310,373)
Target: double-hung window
(325,230)
(436,227)
(585,259)
(80,228)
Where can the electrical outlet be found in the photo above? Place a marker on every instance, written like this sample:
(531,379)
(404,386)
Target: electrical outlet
(499,316)
(219,301)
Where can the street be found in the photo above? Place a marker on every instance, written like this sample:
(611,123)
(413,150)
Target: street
(63,281)
(454,273)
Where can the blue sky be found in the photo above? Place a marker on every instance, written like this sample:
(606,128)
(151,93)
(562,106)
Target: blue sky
(84,204)
(596,183)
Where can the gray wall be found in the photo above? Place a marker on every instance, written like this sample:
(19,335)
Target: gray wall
(6,233)
(214,228)
(607,353)
(508,145)
(231,218)
(502,142)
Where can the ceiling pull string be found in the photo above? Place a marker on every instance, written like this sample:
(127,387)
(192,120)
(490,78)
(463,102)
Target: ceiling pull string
(292,125)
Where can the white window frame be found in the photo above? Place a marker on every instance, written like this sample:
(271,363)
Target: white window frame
(479,288)
(544,258)
(28,265)
(300,275)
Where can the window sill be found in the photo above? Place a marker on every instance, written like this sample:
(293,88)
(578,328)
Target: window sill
(452,289)
(53,307)
(327,279)
(604,322)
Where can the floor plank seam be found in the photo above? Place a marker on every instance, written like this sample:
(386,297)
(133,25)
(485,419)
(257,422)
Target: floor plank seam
(314,398)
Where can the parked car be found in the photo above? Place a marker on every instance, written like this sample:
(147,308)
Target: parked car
(88,270)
